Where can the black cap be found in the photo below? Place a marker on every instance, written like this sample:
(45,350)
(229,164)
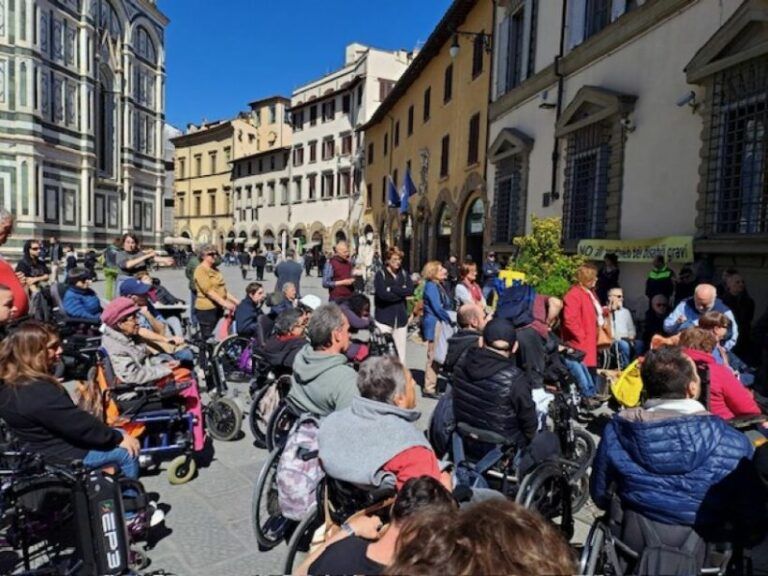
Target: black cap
(499,329)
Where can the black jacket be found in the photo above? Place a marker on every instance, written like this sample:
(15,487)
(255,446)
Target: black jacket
(44,418)
(458,346)
(280,353)
(390,293)
(491,393)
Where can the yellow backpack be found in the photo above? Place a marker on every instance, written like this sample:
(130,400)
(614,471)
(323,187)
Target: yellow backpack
(628,387)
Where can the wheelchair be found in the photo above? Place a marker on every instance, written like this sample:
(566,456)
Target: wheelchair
(269,525)
(68,520)
(606,552)
(267,389)
(157,416)
(341,500)
(556,487)
(224,410)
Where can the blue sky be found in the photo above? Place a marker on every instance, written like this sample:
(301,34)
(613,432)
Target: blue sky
(222,54)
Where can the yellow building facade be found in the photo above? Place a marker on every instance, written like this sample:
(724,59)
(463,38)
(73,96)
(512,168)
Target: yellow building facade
(434,122)
(203,209)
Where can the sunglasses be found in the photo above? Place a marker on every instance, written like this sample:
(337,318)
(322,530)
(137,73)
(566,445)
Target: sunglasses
(34,249)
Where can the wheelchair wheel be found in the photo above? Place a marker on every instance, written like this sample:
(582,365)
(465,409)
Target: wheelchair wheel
(279,425)
(226,356)
(257,421)
(583,448)
(592,553)
(301,540)
(269,525)
(223,419)
(181,469)
(542,491)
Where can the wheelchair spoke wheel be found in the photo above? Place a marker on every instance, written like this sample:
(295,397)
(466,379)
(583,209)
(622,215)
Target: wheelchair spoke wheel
(181,469)
(226,357)
(541,490)
(301,540)
(279,425)
(591,560)
(258,420)
(583,449)
(269,525)
(223,419)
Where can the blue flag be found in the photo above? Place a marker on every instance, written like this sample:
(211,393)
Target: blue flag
(409,189)
(393,198)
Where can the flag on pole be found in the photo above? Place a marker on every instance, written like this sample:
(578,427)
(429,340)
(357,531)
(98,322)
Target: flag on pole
(393,198)
(409,189)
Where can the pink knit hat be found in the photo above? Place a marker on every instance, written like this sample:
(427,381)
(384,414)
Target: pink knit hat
(118,309)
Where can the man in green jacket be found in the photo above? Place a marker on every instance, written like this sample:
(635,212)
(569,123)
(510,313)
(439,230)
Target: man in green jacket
(322,380)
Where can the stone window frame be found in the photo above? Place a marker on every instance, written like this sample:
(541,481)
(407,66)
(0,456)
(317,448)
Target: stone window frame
(510,142)
(740,40)
(592,105)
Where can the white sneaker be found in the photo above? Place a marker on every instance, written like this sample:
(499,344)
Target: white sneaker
(156,517)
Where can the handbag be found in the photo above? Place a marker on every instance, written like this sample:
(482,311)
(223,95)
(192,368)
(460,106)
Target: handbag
(604,335)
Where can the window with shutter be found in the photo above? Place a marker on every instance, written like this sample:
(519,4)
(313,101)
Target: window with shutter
(478,49)
(427,99)
(508,199)
(474,140)
(444,159)
(410,120)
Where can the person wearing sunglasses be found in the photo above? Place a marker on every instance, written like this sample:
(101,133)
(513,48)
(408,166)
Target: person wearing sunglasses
(622,326)
(35,271)
(213,299)
(654,321)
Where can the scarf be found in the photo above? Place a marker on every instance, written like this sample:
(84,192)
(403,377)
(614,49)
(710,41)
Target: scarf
(474,291)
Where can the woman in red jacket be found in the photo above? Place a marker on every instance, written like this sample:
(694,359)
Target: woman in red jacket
(581,315)
(728,398)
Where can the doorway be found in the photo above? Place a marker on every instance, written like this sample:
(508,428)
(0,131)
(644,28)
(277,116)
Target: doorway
(474,227)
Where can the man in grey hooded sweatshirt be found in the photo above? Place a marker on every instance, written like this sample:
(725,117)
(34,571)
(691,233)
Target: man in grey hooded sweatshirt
(322,381)
(375,441)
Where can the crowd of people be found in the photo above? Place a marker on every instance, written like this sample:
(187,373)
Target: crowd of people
(674,465)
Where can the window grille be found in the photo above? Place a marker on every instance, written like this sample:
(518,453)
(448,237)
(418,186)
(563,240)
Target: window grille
(508,197)
(736,187)
(586,182)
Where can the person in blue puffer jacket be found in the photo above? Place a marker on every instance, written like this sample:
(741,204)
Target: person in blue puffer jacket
(671,460)
(80,300)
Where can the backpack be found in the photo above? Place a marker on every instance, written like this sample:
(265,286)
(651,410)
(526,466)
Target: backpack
(442,424)
(658,558)
(516,305)
(299,471)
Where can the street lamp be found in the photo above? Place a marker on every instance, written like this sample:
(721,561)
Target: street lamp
(485,39)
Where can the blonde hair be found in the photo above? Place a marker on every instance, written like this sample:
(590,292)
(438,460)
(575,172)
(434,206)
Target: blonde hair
(24,354)
(431,270)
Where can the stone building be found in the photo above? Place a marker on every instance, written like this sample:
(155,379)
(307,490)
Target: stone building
(434,123)
(315,198)
(634,120)
(205,209)
(82,100)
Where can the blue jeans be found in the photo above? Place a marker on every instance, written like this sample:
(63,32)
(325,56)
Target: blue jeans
(582,376)
(192,313)
(129,465)
(625,351)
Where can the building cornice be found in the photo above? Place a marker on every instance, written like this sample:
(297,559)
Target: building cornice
(443,32)
(152,8)
(203,136)
(615,35)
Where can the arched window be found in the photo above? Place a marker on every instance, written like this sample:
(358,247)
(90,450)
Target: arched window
(107,18)
(143,45)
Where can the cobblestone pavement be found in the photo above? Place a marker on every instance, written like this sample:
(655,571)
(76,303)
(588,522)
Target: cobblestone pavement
(208,522)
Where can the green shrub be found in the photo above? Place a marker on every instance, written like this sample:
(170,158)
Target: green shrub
(542,259)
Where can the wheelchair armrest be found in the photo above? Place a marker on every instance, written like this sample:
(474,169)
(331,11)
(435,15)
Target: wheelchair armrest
(744,422)
(172,390)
